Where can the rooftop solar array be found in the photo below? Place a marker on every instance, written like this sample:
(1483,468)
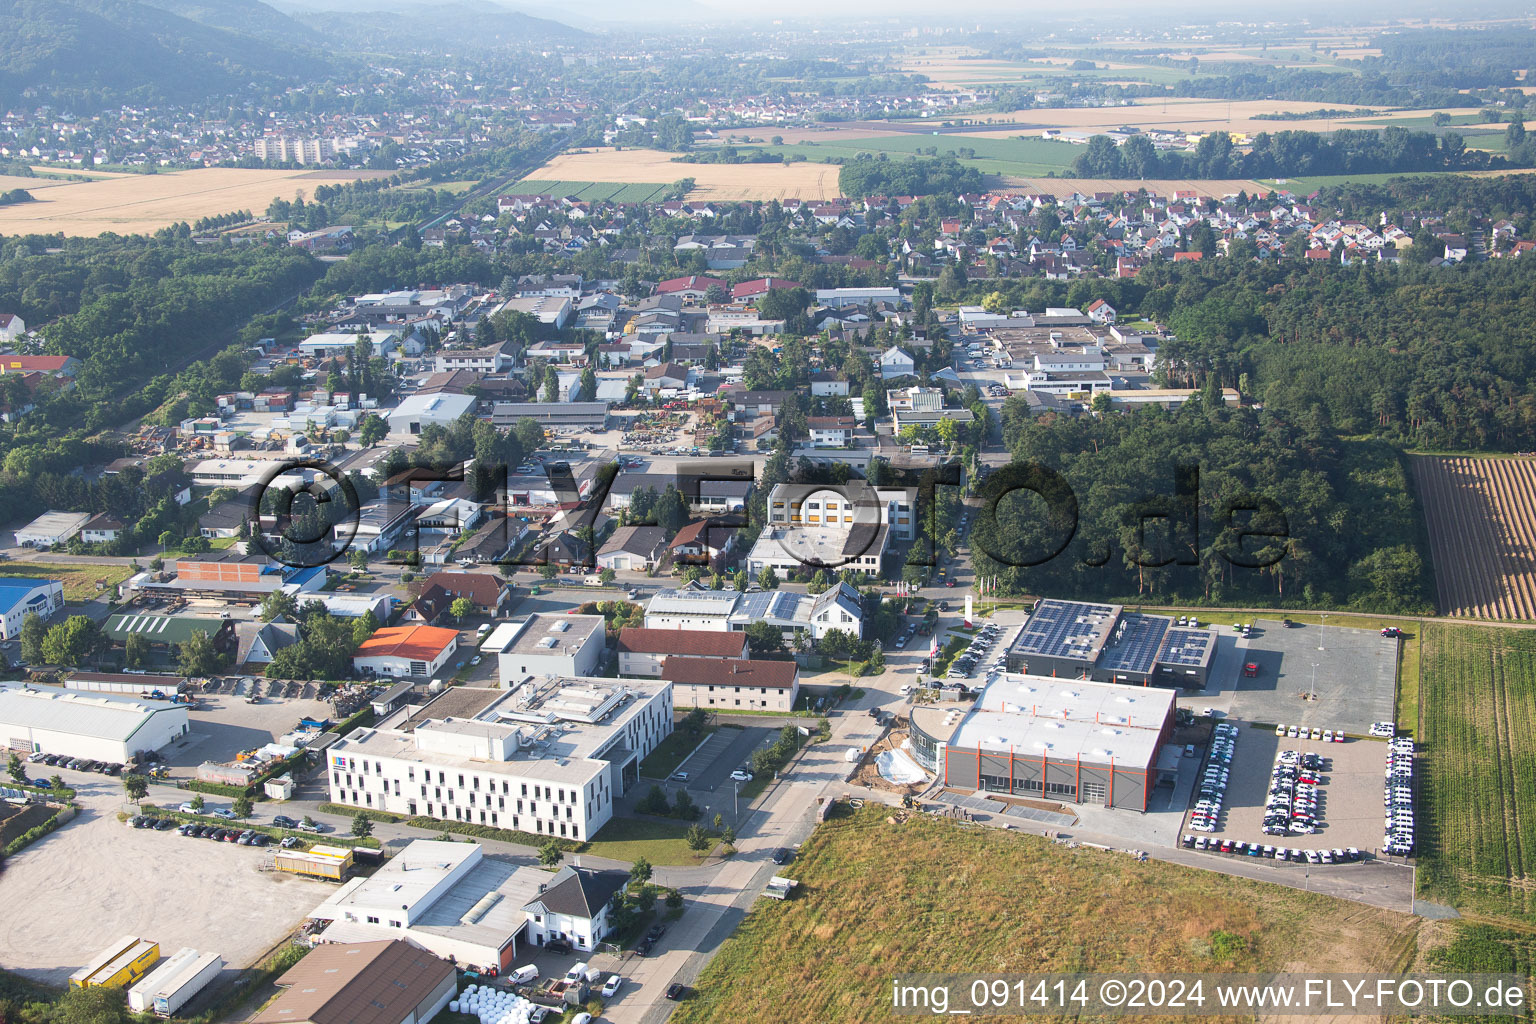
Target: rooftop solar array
(1189,647)
(1135,643)
(1066,629)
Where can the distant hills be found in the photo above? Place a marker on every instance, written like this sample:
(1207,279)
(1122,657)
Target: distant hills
(86,55)
(391,25)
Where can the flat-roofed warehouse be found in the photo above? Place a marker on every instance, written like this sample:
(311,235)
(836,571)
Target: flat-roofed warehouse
(99,726)
(1106,643)
(587,415)
(1041,737)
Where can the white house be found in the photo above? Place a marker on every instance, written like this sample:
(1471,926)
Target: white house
(896,363)
(831,431)
(1101,312)
(11,327)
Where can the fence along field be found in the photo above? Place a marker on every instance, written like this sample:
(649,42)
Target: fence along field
(1477,772)
(1481,515)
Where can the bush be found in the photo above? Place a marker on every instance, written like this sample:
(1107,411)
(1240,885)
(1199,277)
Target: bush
(31,836)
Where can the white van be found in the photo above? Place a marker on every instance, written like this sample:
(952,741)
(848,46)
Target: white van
(524,974)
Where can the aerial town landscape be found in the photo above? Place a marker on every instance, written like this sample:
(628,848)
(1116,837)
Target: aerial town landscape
(666,512)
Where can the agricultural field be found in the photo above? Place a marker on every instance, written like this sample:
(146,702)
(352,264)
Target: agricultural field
(593,191)
(1018,156)
(143,203)
(711,181)
(1061,188)
(1481,516)
(83,581)
(1477,772)
(937,896)
(1193,115)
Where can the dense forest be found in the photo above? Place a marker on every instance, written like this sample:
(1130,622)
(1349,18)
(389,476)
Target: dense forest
(1295,154)
(1327,522)
(911,177)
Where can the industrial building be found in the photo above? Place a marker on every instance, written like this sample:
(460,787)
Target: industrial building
(418,651)
(383,982)
(584,415)
(547,645)
(94,725)
(549,756)
(21,596)
(722,611)
(50,528)
(1050,738)
(475,911)
(1106,643)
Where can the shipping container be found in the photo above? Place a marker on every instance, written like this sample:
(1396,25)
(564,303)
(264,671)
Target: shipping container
(331,862)
(169,987)
(127,967)
(82,977)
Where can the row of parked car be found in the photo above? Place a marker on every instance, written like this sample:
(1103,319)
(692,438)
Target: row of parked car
(1244,849)
(1206,816)
(79,764)
(964,665)
(1293,805)
(1397,798)
(1301,732)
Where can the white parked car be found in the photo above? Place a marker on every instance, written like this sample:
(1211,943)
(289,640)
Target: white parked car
(611,985)
(577,972)
(741,775)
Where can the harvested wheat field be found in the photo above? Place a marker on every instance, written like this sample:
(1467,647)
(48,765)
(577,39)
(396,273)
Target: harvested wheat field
(711,181)
(878,898)
(1481,515)
(141,203)
(1193,115)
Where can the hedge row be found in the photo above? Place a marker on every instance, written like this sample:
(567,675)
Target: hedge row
(463,828)
(356,720)
(218,789)
(31,836)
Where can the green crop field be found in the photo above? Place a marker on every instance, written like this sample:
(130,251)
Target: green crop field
(1477,772)
(1023,157)
(932,895)
(593,191)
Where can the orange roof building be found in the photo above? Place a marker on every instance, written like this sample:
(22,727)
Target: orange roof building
(406,651)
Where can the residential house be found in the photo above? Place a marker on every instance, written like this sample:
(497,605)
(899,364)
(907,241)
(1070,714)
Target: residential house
(487,593)
(694,288)
(896,363)
(256,643)
(633,548)
(706,542)
(828,384)
(101,528)
(831,431)
(12,327)
(642,650)
(725,684)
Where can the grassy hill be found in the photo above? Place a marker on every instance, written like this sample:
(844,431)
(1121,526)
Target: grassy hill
(935,896)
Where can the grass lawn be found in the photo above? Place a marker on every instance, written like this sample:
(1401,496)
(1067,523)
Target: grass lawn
(937,896)
(629,839)
(670,752)
(222,543)
(80,578)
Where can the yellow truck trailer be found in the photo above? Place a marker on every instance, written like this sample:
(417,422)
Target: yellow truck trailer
(119,965)
(332,862)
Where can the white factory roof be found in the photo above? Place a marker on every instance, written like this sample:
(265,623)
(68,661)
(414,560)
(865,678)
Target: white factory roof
(542,633)
(102,716)
(693,602)
(1065,719)
(55,524)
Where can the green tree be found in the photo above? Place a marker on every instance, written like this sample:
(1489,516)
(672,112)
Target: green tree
(764,638)
(549,570)
(196,656)
(606,577)
(741,580)
(362,825)
(461,607)
(698,839)
(197,803)
(33,630)
(137,787)
(136,653)
(279,604)
(818,582)
(768,579)
(550,853)
(640,871)
(674,900)
(15,769)
(358,559)
(243,806)
(372,430)
(56,783)
(71,642)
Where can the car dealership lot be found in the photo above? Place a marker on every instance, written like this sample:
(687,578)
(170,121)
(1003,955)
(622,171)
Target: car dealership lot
(1349,792)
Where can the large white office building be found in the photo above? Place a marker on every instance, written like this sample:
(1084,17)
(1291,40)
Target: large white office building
(549,756)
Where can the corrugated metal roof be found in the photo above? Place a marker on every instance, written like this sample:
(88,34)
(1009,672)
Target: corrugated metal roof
(102,716)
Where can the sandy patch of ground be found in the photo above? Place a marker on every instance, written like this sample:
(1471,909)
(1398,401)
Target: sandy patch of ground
(712,181)
(96,879)
(140,203)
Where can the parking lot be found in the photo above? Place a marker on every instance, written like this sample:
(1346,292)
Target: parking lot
(96,878)
(727,749)
(225,724)
(1355,677)
(1349,792)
